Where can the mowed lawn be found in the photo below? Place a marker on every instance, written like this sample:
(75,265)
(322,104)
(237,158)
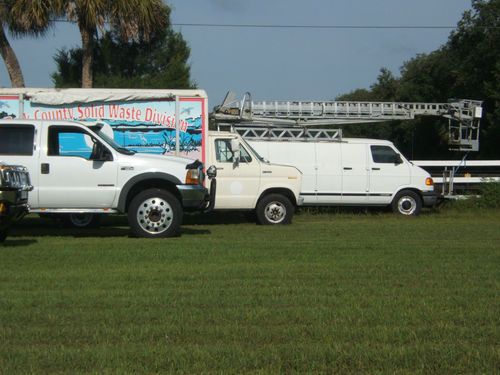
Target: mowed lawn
(331,293)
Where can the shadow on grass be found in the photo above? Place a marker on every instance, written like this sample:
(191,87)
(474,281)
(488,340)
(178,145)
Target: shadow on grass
(10,242)
(111,226)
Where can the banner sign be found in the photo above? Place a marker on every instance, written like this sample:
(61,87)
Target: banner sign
(142,126)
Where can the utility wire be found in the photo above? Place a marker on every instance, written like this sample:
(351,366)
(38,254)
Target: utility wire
(319,27)
(290,26)
(260,26)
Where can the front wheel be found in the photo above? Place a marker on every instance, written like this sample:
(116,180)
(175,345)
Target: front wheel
(407,203)
(155,213)
(274,209)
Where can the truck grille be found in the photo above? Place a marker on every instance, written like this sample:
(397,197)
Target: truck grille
(15,177)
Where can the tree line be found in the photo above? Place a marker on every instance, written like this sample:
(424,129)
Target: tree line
(467,66)
(130,23)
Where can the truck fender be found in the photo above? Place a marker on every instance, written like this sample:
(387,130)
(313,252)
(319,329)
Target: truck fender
(149,176)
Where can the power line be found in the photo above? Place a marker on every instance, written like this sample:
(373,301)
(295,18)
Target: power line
(318,27)
(268,26)
(290,26)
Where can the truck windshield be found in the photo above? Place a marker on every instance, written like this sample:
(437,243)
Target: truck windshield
(255,152)
(110,141)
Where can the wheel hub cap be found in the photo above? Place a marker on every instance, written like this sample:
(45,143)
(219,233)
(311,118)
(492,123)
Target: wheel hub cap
(275,212)
(407,205)
(155,215)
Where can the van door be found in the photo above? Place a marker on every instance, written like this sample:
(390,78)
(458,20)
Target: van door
(238,183)
(389,172)
(329,173)
(19,145)
(72,170)
(355,176)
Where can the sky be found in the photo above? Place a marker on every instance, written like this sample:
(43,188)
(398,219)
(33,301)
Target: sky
(279,63)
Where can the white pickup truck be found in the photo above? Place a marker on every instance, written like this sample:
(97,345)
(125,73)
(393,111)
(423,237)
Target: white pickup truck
(92,174)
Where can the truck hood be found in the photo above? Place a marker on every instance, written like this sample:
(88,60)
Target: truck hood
(282,169)
(142,163)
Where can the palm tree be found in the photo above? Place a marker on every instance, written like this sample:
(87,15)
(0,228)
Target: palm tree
(21,17)
(134,19)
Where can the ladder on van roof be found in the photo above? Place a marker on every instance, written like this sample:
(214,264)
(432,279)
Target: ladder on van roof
(464,115)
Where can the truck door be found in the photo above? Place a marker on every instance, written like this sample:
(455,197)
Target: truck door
(76,170)
(388,173)
(355,177)
(237,183)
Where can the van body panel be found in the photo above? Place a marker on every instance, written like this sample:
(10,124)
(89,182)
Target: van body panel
(354,171)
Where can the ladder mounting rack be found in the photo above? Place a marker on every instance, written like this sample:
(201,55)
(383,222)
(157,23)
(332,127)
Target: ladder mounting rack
(464,115)
(264,132)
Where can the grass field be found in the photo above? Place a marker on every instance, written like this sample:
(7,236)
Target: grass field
(331,293)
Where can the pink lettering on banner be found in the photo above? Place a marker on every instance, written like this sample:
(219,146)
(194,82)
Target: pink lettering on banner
(164,119)
(90,112)
(118,112)
(56,114)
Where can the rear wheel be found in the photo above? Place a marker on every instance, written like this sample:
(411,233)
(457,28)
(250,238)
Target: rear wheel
(3,235)
(155,213)
(81,220)
(407,203)
(274,209)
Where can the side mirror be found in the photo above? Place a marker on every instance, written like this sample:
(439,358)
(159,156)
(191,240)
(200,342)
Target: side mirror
(235,148)
(101,153)
(398,160)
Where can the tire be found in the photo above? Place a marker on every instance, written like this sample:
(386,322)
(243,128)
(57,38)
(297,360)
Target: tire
(3,235)
(407,203)
(274,209)
(155,213)
(84,220)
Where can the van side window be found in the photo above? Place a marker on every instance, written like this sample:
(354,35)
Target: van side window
(383,154)
(69,141)
(17,140)
(224,154)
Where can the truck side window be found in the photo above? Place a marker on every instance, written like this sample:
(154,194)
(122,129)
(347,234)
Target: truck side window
(383,154)
(224,154)
(69,141)
(17,139)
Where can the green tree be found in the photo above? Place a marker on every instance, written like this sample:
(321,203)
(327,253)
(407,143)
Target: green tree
(467,66)
(133,20)
(21,17)
(159,63)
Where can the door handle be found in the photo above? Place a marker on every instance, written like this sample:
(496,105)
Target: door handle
(219,168)
(347,168)
(375,169)
(45,168)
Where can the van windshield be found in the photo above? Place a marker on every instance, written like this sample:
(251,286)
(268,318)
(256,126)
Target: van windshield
(255,152)
(110,141)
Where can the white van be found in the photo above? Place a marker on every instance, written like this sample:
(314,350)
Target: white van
(353,172)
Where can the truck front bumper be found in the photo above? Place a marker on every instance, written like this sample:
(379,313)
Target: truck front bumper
(429,198)
(194,197)
(10,213)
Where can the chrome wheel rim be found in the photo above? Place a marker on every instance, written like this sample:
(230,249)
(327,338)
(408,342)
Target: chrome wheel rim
(407,205)
(155,215)
(275,212)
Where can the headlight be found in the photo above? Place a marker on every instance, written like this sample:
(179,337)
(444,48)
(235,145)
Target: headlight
(193,176)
